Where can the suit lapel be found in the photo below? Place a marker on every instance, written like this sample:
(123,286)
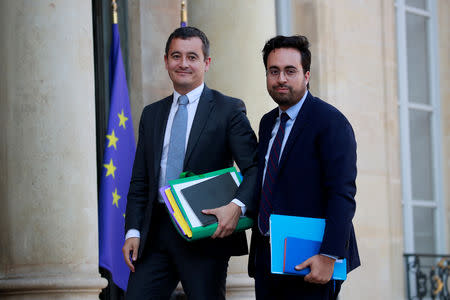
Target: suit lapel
(160,129)
(204,107)
(300,122)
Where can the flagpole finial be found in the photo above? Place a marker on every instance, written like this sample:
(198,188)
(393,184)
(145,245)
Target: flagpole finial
(114,11)
(183,14)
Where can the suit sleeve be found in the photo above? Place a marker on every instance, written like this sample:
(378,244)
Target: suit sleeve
(138,192)
(338,162)
(242,141)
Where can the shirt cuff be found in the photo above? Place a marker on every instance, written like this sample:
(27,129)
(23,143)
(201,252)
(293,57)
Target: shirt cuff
(330,256)
(132,233)
(241,205)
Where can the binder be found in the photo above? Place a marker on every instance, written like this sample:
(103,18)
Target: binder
(180,192)
(300,236)
(216,192)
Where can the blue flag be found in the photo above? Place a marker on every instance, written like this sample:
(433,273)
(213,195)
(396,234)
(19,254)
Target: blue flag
(118,159)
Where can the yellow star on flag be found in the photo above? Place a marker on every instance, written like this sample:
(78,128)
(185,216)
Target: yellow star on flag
(110,168)
(112,140)
(124,216)
(123,119)
(116,198)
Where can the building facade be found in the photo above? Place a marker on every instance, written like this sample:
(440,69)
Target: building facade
(385,64)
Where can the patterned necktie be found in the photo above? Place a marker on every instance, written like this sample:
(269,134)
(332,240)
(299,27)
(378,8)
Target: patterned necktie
(265,208)
(175,158)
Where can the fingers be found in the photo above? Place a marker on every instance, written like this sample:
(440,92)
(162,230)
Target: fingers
(126,257)
(321,269)
(227,219)
(130,249)
(217,233)
(223,230)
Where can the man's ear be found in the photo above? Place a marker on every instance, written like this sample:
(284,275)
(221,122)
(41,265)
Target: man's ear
(165,61)
(307,75)
(207,63)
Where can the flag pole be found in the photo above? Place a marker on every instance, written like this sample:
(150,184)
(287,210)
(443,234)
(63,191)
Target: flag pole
(183,22)
(114,11)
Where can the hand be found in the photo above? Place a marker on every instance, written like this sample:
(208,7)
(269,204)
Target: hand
(227,216)
(321,268)
(130,247)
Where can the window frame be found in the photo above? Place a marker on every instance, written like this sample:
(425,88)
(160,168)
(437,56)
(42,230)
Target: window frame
(434,108)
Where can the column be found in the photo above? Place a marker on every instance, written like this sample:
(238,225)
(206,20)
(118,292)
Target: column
(237,31)
(48,182)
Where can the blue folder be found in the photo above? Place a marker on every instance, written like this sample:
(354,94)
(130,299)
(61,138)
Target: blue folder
(298,250)
(295,232)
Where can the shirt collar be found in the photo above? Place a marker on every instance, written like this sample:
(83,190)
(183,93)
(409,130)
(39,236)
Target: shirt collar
(295,109)
(193,95)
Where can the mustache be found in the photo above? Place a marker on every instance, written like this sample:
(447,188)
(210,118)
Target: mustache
(281,86)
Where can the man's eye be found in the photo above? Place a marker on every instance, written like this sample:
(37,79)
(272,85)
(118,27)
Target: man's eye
(176,56)
(291,71)
(192,57)
(274,72)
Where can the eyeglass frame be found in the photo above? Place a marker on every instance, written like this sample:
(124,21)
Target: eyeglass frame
(286,75)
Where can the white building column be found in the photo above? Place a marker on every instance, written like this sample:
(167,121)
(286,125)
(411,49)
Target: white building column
(237,31)
(48,182)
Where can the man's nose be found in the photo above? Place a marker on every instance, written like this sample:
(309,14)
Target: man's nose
(282,77)
(184,62)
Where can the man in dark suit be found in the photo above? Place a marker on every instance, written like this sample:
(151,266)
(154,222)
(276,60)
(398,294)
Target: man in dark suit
(198,130)
(306,167)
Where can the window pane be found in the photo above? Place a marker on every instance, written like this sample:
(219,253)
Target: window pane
(417,53)
(424,236)
(417,3)
(421,155)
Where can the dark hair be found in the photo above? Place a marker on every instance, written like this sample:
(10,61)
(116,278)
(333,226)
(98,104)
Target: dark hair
(186,33)
(298,42)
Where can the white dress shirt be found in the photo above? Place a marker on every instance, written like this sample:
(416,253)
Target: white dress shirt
(193,97)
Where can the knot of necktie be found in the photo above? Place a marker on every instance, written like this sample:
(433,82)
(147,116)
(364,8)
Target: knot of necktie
(183,100)
(284,117)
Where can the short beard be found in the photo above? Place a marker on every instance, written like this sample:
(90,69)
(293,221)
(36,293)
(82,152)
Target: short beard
(285,100)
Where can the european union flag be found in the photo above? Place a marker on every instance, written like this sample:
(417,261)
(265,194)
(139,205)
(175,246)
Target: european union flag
(118,159)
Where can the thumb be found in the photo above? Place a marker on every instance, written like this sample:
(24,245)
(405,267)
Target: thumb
(208,211)
(303,265)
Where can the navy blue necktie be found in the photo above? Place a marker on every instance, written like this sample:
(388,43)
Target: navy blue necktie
(266,208)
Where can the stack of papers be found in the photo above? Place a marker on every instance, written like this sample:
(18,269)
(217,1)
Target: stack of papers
(185,198)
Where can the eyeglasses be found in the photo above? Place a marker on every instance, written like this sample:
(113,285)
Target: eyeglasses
(289,73)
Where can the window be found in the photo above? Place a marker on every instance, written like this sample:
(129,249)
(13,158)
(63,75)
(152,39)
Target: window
(420,132)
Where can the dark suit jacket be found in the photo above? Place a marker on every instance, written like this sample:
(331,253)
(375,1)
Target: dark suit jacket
(220,133)
(316,176)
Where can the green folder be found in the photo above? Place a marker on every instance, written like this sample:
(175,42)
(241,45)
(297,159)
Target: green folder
(194,185)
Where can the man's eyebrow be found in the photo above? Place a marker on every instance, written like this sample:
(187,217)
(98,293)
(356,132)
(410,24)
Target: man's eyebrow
(286,67)
(193,53)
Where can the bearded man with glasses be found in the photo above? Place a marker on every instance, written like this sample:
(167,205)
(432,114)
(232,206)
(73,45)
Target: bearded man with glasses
(307,168)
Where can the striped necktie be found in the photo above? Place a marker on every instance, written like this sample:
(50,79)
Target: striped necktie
(266,208)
